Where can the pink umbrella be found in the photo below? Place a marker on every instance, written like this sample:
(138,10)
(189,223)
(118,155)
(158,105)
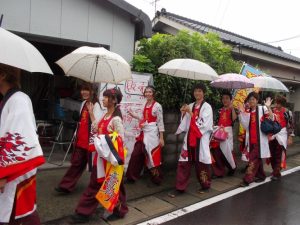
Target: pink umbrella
(232,81)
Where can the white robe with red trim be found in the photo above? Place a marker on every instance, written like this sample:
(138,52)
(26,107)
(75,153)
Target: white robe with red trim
(20,154)
(227,147)
(244,118)
(205,124)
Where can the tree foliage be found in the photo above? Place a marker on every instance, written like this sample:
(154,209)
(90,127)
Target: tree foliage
(208,48)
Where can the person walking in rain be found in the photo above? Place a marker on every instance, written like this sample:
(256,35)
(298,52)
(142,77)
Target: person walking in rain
(90,115)
(149,143)
(197,122)
(20,153)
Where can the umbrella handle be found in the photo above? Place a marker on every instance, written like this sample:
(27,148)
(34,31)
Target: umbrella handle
(96,66)
(186,83)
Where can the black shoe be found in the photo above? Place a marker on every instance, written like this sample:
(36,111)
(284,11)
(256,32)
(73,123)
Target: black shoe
(274,178)
(62,190)
(243,184)
(259,180)
(203,190)
(79,218)
(129,181)
(215,176)
(231,173)
(175,193)
(112,217)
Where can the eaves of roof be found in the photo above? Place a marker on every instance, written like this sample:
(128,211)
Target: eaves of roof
(141,19)
(228,36)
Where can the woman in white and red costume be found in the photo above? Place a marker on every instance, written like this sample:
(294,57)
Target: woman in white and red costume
(197,124)
(20,153)
(222,151)
(111,122)
(90,115)
(150,141)
(256,142)
(279,142)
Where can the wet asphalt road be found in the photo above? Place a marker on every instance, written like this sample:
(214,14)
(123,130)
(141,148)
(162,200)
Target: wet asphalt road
(273,203)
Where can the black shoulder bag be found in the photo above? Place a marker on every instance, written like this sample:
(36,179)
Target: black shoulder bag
(268,126)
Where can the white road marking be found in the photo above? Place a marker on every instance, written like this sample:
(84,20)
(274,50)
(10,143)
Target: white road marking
(210,201)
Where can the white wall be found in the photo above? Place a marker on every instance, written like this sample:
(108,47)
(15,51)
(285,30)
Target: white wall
(295,98)
(82,20)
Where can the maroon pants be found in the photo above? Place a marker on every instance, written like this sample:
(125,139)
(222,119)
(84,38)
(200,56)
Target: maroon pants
(137,163)
(184,172)
(79,162)
(220,164)
(255,167)
(276,153)
(88,203)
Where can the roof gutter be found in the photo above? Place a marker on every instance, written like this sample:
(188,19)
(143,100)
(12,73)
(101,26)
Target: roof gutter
(141,19)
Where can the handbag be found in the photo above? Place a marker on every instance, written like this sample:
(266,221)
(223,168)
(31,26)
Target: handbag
(220,134)
(268,126)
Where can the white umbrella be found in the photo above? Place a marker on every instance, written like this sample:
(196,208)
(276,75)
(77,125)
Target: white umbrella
(188,68)
(95,64)
(232,81)
(267,83)
(19,53)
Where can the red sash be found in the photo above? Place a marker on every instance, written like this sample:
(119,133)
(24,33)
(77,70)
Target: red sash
(83,129)
(253,128)
(225,119)
(194,132)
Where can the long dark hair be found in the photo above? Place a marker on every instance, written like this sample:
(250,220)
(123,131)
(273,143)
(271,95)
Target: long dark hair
(114,94)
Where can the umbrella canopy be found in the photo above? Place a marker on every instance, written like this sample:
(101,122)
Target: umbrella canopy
(232,81)
(95,64)
(188,68)
(19,53)
(267,83)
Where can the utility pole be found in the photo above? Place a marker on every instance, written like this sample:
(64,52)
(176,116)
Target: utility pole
(1,18)
(155,5)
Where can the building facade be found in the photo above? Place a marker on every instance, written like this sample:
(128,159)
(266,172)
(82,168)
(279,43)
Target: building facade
(268,58)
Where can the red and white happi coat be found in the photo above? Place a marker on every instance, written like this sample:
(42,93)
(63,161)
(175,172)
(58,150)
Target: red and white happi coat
(20,155)
(263,143)
(201,124)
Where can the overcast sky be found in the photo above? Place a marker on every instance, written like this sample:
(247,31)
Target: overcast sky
(262,20)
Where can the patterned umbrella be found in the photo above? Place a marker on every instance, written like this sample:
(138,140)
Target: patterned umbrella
(232,81)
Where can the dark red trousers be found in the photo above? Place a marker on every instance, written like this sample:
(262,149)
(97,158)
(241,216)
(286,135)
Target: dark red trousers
(255,167)
(276,153)
(184,172)
(79,162)
(88,203)
(137,163)
(220,164)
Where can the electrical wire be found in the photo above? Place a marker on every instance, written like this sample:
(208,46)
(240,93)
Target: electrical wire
(285,39)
